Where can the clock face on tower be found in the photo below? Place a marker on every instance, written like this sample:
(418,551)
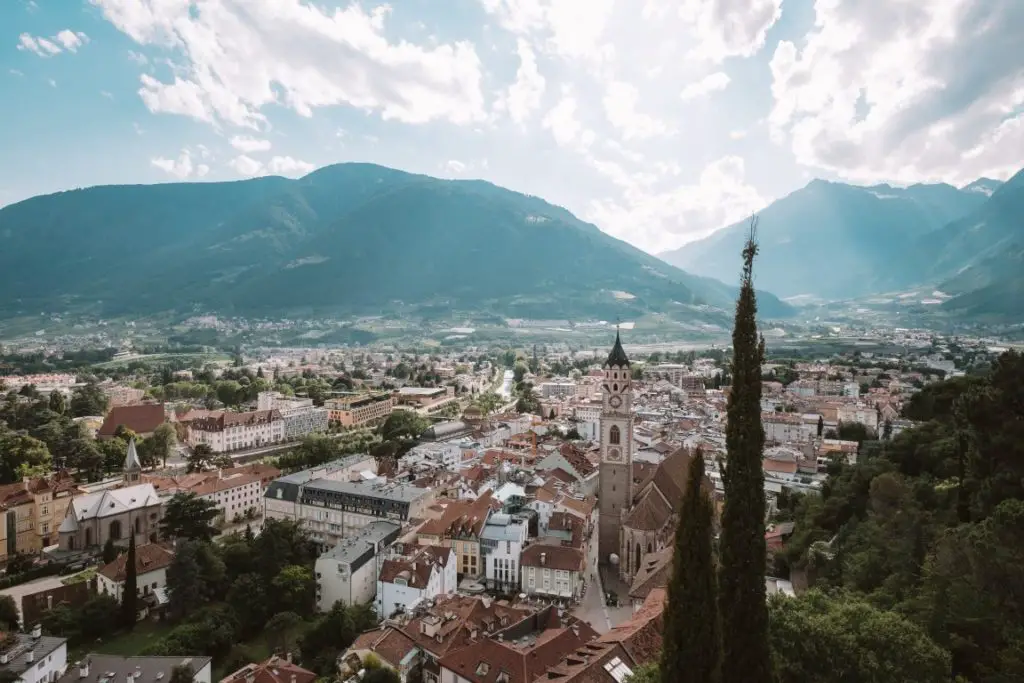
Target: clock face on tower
(615,401)
(614,454)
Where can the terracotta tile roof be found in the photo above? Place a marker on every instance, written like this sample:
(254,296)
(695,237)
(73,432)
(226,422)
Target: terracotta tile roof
(13,495)
(215,483)
(458,617)
(583,508)
(586,663)
(653,573)
(488,659)
(273,670)
(220,420)
(554,556)
(641,636)
(141,419)
(461,518)
(148,558)
(415,569)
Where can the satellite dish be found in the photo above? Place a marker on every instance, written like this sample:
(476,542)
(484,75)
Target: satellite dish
(614,559)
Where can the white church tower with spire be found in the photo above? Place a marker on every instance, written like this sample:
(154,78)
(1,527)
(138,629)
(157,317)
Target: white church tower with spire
(615,474)
(132,466)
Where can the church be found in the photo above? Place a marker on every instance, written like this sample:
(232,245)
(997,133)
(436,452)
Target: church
(637,517)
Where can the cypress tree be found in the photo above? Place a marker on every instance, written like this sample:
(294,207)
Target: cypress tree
(742,554)
(129,596)
(692,649)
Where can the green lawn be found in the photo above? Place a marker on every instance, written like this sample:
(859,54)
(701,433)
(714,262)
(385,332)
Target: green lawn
(80,577)
(125,644)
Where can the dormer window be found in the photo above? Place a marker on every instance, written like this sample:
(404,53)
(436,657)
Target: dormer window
(482,668)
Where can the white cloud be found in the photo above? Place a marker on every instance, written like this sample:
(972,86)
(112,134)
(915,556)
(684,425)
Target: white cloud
(523,96)
(705,86)
(657,216)
(247,166)
(71,40)
(53,83)
(566,129)
(904,92)
(181,168)
(236,58)
(455,167)
(620,106)
(47,47)
(279,165)
(570,28)
(729,28)
(244,143)
(15,72)
(106,93)
(138,57)
(288,166)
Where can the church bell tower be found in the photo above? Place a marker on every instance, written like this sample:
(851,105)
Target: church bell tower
(615,475)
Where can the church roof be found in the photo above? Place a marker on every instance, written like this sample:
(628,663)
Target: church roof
(618,355)
(131,460)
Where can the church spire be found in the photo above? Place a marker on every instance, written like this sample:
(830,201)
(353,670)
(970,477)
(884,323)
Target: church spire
(132,464)
(618,356)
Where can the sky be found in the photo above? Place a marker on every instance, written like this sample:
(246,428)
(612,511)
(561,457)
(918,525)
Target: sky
(657,120)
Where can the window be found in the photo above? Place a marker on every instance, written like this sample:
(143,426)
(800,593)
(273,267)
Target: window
(618,670)
(614,436)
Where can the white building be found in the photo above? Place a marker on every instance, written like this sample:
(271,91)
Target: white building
(332,511)
(865,415)
(348,572)
(406,581)
(96,668)
(553,571)
(33,657)
(502,541)
(225,431)
(234,495)
(300,416)
(151,563)
(558,389)
(444,455)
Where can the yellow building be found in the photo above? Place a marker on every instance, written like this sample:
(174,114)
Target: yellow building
(459,528)
(355,411)
(32,511)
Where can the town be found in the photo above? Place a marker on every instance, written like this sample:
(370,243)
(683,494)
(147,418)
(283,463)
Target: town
(488,516)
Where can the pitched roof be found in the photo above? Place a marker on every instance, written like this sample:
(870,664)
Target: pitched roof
(141,419)
(131,460)
(554,556)
(148,558)
(641,636)
(273,670)
(524,654)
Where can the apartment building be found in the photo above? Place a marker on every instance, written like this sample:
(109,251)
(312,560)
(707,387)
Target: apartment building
(235,495)
(33,657)
(459,527)
(563,388)
(553,571)
(334,510)
(348,572)
(503,538)
(33,510)
(408,580)
(359,410)
(226,431)
(299,415)
(121,395)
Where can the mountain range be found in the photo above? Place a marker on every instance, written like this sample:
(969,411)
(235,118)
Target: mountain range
(832,240)
(345,239)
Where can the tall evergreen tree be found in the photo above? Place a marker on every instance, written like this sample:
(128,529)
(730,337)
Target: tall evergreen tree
(746,658)
(129,597)
(692,649)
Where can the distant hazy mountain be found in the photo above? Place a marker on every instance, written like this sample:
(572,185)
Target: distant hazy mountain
(980,257)
(834,240)
(985,186)
(350,238)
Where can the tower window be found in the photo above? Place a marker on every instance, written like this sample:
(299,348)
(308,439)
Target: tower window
(614,436)
(615,387)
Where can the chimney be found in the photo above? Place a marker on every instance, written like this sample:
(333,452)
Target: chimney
(37,632)
(30,656)
(294,678)
(83,668)
(288,657)
(543,559)
(49,601)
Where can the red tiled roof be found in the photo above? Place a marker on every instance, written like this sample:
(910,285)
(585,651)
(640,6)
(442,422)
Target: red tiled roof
(554,556)
(141,419)
(273,670)
(148,558)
